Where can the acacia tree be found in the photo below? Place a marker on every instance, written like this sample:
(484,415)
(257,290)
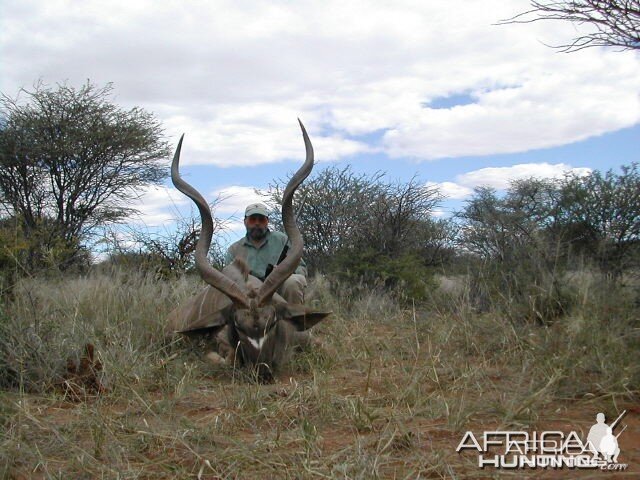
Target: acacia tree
(330,206)
(607,206)
(522,246)
(364,227)
(70,159)
(530,237)
(616,22)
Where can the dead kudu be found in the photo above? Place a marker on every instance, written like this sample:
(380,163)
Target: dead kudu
(244,319)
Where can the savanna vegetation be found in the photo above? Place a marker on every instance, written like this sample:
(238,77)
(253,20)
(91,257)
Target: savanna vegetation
(520,312)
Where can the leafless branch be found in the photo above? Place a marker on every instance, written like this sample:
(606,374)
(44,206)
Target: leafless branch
(615,23)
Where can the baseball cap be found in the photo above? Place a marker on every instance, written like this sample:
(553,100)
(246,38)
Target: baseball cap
(256,209)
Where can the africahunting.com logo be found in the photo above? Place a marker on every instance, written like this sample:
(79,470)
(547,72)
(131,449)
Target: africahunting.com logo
(548,449)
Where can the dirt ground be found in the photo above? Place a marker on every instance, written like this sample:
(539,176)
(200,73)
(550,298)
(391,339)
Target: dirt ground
(404,446)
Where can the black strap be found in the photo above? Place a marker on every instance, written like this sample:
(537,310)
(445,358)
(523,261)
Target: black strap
(270,267)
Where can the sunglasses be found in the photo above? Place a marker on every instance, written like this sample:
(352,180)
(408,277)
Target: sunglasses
(257,219)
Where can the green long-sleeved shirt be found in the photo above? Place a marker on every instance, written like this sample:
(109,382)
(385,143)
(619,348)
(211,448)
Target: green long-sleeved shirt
(258,258)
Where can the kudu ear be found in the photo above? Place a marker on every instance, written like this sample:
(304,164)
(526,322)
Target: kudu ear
(303,318)
(210,323)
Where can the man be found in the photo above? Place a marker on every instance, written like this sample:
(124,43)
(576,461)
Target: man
(261,248)
(596,433)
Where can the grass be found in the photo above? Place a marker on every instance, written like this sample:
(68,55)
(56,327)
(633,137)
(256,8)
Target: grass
(388,395)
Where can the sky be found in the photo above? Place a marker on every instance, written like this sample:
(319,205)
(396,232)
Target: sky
(434,89)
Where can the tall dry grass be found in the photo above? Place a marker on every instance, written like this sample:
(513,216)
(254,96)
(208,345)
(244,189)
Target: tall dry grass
(386,396)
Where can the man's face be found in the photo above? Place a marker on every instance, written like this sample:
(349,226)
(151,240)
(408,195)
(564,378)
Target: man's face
(256,226)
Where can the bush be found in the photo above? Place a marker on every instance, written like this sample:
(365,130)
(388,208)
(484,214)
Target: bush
(405,275)
(523,292)
(47,322)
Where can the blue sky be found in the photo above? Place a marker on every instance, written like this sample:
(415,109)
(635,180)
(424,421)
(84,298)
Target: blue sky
(435,89)
(603,152)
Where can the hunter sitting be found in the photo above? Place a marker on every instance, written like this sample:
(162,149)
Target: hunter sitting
(263,249)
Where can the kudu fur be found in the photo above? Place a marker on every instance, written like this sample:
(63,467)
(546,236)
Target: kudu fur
(247,321)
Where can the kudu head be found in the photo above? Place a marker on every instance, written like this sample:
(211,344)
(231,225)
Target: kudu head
(256,313)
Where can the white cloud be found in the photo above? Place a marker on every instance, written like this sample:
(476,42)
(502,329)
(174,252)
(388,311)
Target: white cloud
(235,75)
(547,110)
(452,190)
(253,134)
(501,177)
(158,205)
(161,206)
(235,198)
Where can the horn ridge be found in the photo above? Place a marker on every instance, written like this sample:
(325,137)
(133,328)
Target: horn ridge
(292,260)
(209,274)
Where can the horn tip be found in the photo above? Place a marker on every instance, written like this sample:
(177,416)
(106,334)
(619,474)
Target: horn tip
(176,157)
(304,130)
(179,146)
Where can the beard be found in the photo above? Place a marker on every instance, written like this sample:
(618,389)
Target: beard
(257,233)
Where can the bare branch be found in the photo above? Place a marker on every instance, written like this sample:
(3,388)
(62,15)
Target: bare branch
(615,23)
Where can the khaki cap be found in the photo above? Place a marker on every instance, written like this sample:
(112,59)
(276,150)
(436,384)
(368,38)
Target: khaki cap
(256,209)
